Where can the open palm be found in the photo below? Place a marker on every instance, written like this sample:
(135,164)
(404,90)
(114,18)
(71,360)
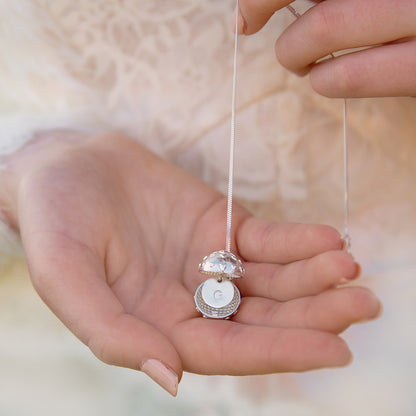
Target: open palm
(113,236)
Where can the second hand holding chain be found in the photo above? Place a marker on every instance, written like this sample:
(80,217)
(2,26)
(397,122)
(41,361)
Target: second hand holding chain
(218,297)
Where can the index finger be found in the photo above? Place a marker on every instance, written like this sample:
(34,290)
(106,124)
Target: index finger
(256,13)
(262,241)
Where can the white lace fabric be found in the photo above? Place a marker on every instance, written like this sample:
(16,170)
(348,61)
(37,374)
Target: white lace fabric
(158,70)
(161,72)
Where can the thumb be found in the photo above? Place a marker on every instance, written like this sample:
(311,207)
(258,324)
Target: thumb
(254,14)
(71,279)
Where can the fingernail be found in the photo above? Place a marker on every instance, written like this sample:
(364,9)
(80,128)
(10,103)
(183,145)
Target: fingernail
(162,375)
(241,23)
(357,273)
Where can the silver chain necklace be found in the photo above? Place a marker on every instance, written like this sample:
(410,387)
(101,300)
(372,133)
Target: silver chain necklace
(346,236)
(218,297)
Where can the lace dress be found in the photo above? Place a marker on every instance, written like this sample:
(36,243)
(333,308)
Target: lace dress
(160,71)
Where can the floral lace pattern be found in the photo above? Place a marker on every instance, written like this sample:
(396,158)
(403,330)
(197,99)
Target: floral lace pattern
(162,69)
(161,72)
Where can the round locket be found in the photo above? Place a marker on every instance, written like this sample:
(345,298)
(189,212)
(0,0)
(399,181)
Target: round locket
(216,299)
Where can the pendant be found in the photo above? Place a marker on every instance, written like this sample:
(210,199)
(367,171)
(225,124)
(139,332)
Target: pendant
(218,297)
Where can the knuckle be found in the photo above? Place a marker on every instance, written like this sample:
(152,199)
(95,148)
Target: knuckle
(347,265)
(320,24)
(292,237)
(308,315)
(266,236)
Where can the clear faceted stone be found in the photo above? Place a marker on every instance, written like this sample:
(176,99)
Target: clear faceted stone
(222,264)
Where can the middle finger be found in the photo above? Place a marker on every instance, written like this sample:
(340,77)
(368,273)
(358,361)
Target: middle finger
(301,278)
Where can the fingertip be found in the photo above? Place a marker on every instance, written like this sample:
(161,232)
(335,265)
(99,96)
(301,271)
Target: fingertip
(241,25)
(321,81)
(329,237)
(353,272)
(365,304)
(346,264)
(283,51)
(342,355)
(329,351)
(256,13)
(315,238)
(349,358)
(162,374)
(333,268)
(374,307)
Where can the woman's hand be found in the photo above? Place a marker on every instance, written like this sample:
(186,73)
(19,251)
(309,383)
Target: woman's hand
(384,28)
(113,236)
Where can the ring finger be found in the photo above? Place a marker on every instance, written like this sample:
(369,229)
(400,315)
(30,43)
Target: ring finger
(331,311)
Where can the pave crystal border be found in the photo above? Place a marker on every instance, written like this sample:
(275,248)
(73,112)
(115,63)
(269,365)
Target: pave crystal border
(217,313)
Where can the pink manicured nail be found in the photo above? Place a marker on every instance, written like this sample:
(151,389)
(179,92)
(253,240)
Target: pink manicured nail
(162,375)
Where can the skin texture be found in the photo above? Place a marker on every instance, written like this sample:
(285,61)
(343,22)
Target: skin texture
(381,33)
(113,236)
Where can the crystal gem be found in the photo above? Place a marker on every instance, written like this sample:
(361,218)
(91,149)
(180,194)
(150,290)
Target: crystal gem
(222,264)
